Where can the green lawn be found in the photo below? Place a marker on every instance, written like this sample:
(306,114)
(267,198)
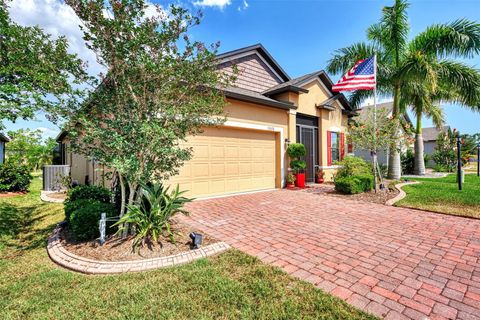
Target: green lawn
(230,286)
(442,195)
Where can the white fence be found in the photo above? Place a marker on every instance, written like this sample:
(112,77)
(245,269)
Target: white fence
(53,175)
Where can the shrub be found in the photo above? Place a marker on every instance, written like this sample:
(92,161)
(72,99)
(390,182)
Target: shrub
(83,222)
(14,177)
(367,181)
(353,166)
(348,185)
(151,218)
(71,206)
(296,150)
(408,161)
(89,192)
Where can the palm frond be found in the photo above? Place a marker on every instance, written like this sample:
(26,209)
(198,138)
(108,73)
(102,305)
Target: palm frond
(460,83)
(436,113)
(391,32)
(460,38)
(343,59)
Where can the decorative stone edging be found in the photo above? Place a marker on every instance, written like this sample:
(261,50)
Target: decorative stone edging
(402,193)
(44,196)
(84,265)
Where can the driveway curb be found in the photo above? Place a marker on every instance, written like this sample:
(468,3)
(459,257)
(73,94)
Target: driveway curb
(402,193)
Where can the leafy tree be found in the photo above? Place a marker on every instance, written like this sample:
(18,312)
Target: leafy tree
(160,87)
(377,130)
(423,60)
(28,148)
(36,72)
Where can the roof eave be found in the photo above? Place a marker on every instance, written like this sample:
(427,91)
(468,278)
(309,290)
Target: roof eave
(246,98)
(288,88)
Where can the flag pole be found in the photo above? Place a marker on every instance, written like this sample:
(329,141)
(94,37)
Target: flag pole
(375,122)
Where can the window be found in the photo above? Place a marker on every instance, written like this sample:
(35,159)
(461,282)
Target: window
(335,147)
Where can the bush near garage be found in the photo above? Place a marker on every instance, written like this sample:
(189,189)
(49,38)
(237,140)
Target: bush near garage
(83,222)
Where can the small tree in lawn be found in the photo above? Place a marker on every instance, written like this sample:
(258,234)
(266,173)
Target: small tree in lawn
(36,72)
(372,135)
(160,87)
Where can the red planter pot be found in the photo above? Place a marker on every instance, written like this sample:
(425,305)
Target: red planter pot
(320,180)
(300,181)
(290,185)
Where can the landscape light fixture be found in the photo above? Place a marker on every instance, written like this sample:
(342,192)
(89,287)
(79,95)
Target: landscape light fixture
(197,239)
(459,161)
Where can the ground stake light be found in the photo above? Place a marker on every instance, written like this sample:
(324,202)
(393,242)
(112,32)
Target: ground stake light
(197,239)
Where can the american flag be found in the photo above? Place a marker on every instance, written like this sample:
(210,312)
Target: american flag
(360,77)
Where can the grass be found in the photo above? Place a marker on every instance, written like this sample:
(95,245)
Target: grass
(230,286)
(442,195)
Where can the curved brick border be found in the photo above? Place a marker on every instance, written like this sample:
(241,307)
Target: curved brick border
(76,263)
(44,196)
(402,193)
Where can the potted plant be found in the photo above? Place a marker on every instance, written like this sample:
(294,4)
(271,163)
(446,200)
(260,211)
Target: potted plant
(319,175)
(290,180)
(295,151)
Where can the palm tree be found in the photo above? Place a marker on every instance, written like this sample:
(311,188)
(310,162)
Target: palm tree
(400,61)
(455,83)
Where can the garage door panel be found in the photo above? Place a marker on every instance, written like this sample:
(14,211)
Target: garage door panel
(227,160)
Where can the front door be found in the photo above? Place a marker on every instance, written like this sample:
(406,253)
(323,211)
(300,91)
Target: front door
(307,134)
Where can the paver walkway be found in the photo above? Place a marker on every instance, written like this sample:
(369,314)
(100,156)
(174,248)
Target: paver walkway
(393,262)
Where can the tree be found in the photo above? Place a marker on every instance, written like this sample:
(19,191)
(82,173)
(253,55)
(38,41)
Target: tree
(401,61)
(36,72)
(376,130)
(28,148)
(160,87)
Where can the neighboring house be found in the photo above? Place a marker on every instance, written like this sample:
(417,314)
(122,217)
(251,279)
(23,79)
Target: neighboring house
(430,136)
(3,140)
(266,111)
(382,155)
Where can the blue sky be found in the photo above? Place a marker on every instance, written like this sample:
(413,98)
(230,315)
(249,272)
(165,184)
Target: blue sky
(302,35)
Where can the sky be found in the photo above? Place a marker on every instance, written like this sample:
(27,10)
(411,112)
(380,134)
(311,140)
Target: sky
(300,34)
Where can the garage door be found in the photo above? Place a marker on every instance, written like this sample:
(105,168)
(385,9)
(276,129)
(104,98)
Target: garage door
(227,160)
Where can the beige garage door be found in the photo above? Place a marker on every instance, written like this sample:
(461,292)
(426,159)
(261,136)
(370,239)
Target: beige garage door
(229,160)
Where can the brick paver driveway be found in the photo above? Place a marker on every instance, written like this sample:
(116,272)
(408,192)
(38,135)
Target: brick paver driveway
(393,262)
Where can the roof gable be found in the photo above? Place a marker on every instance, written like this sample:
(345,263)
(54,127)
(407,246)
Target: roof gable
(262,53)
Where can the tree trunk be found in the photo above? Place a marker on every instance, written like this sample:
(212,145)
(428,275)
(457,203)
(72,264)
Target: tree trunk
(122,194)
(419,164)
(131,199)
(394,167)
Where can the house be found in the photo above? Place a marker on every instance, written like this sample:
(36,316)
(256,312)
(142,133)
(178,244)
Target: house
(430,136)
(266,111)
(382,155)
(3,140)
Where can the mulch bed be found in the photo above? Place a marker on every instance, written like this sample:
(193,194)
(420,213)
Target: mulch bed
(11,194)
(381,197)
(118,249)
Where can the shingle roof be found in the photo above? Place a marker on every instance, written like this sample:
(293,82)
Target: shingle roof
(4,138)
(431,134)
(256,97)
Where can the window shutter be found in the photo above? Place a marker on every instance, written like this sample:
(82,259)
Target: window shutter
(342,145)
(329,148)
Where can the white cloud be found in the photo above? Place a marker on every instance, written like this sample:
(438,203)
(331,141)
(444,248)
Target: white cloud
(213,3)
(243,6)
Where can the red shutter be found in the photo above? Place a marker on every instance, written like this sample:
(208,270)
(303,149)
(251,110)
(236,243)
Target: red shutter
(342,145)
(329,148)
